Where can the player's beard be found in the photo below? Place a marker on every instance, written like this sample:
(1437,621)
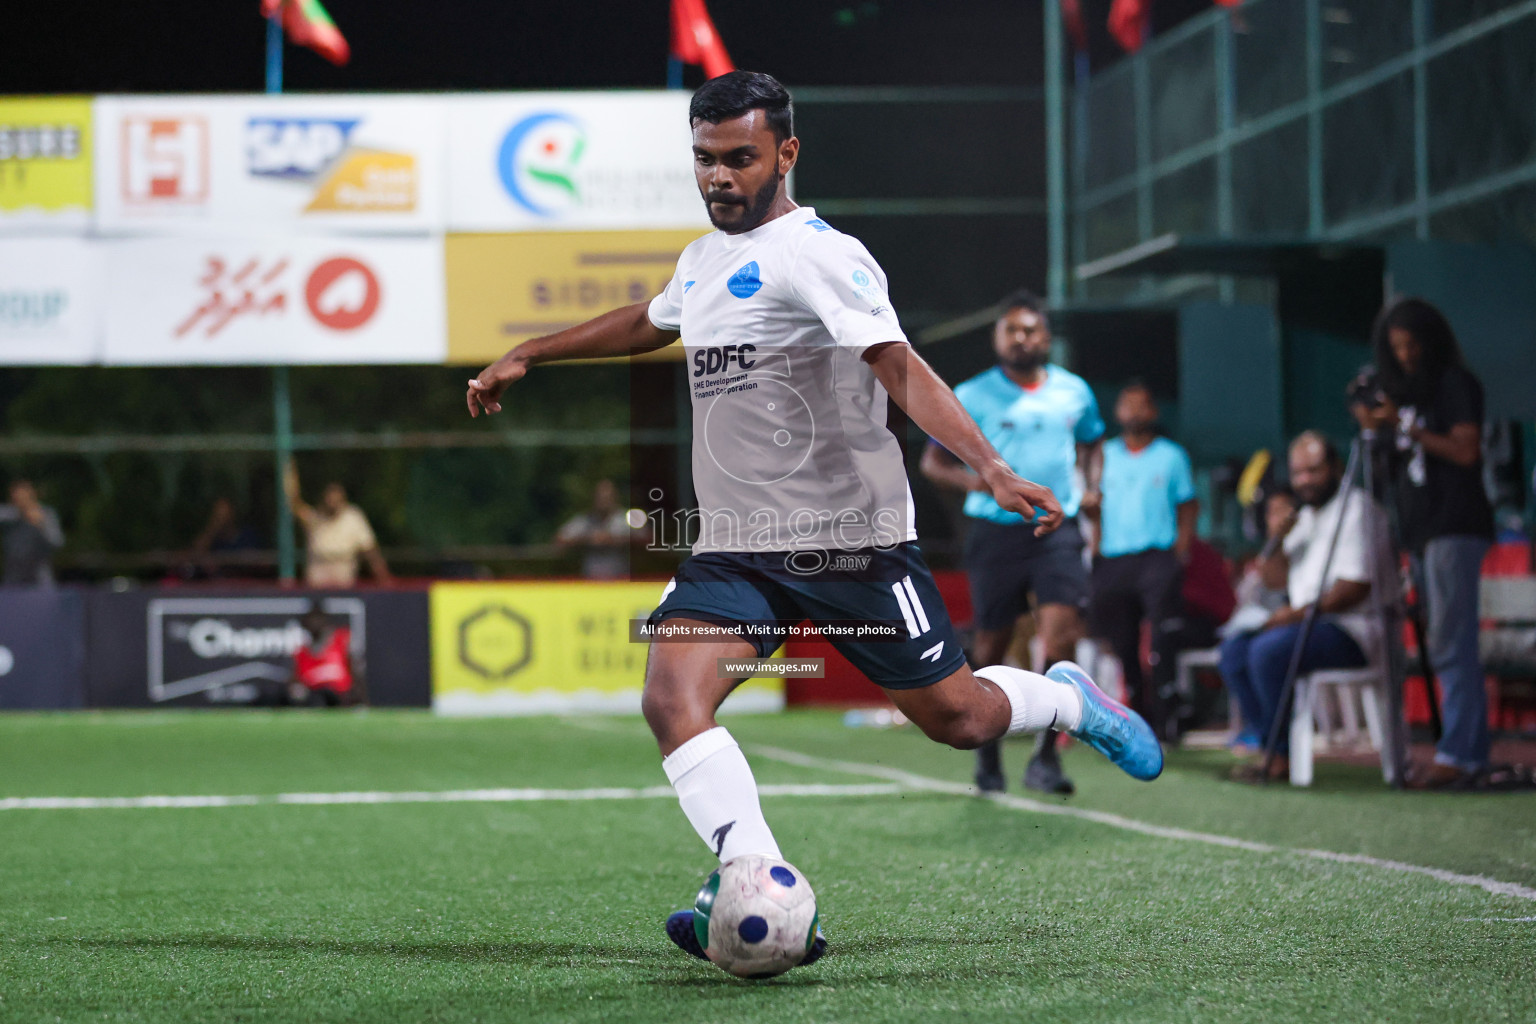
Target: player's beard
(1026,362)
(755,207)
(1138,427)
(1319,495)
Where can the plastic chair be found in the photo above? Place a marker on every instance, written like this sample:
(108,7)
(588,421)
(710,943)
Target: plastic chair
(1365,686)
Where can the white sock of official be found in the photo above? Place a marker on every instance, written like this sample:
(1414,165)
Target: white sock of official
(714,784)
(1038,702)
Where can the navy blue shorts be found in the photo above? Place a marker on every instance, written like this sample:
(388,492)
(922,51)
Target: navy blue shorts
(1006,562)
(772,591)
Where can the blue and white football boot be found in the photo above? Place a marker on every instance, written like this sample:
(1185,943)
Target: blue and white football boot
(1110,727)
(681,931)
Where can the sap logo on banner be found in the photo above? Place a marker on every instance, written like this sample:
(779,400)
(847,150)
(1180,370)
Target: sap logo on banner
(538,161)
(314,151)
(341,293)
(294,147)
(164,160)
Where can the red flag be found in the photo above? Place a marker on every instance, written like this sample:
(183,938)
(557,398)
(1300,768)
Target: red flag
(1072,21)
(308,24)
(1128,23)
(695,41)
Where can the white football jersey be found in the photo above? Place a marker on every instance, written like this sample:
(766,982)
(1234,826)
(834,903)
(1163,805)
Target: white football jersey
(790,446)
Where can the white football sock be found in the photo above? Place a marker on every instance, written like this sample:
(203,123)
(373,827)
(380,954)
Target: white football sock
(1038,702)
(715,786)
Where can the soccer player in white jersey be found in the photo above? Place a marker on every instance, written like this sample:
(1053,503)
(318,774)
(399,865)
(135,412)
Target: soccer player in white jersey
(804,508)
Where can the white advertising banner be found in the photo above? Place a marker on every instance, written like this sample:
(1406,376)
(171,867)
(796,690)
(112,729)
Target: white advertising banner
(49,301)
(571,161)
(274,301)
(269,163)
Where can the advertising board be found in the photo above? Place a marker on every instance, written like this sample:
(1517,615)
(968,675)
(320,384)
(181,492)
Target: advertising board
(563,161)
(259,300)
(550,648)
(210,164)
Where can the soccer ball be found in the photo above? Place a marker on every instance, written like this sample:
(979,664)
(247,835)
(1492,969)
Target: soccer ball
(755,917)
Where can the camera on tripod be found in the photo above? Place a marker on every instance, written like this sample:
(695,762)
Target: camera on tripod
(1365,388)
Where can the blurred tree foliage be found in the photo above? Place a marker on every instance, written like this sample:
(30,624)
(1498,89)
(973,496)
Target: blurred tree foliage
(134,501)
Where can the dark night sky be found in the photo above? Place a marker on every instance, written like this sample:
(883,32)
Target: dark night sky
(217,45)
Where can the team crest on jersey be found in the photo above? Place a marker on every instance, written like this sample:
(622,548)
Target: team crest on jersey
(867,290)
(746,282)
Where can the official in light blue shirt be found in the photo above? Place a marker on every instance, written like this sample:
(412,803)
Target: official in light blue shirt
(1045,424)
(1037,428)
(1146,524)
(1143,489)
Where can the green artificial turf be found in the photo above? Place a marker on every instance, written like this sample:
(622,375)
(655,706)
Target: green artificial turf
(938,907)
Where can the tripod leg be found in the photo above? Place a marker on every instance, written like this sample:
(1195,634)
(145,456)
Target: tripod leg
(1426,669)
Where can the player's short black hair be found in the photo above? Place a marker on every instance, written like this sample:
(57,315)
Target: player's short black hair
(1137,384)
(732,95)
(1022,299)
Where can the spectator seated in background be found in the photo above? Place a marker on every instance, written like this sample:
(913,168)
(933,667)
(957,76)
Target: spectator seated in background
(29,535)
(1254,665)
(602,533)
(1256,599)
(223,535)
(322,668)
(339,535)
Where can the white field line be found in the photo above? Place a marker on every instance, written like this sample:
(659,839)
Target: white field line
(922,782)
(1500,920)
(452,796)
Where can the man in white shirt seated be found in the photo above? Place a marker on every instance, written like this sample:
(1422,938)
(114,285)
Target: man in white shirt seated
(1346,634)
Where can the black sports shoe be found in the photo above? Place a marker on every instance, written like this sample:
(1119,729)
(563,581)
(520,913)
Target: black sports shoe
(680,931)
(1044,774)
(818,947)
(989,768)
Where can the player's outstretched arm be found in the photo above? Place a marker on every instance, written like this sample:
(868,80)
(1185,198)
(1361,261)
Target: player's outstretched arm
(622,332)
(909,380)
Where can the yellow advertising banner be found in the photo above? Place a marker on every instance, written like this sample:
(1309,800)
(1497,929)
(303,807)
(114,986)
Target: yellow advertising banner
(506,288)
(549,648)
(45,158)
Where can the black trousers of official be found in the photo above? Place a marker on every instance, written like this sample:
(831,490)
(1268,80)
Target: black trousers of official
(1130,589)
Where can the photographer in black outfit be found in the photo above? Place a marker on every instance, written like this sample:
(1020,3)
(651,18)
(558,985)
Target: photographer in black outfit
(1427,409)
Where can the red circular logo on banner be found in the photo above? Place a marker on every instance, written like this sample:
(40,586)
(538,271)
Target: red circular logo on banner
(345,311)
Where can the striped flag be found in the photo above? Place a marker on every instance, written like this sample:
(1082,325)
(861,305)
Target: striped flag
(308,24)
